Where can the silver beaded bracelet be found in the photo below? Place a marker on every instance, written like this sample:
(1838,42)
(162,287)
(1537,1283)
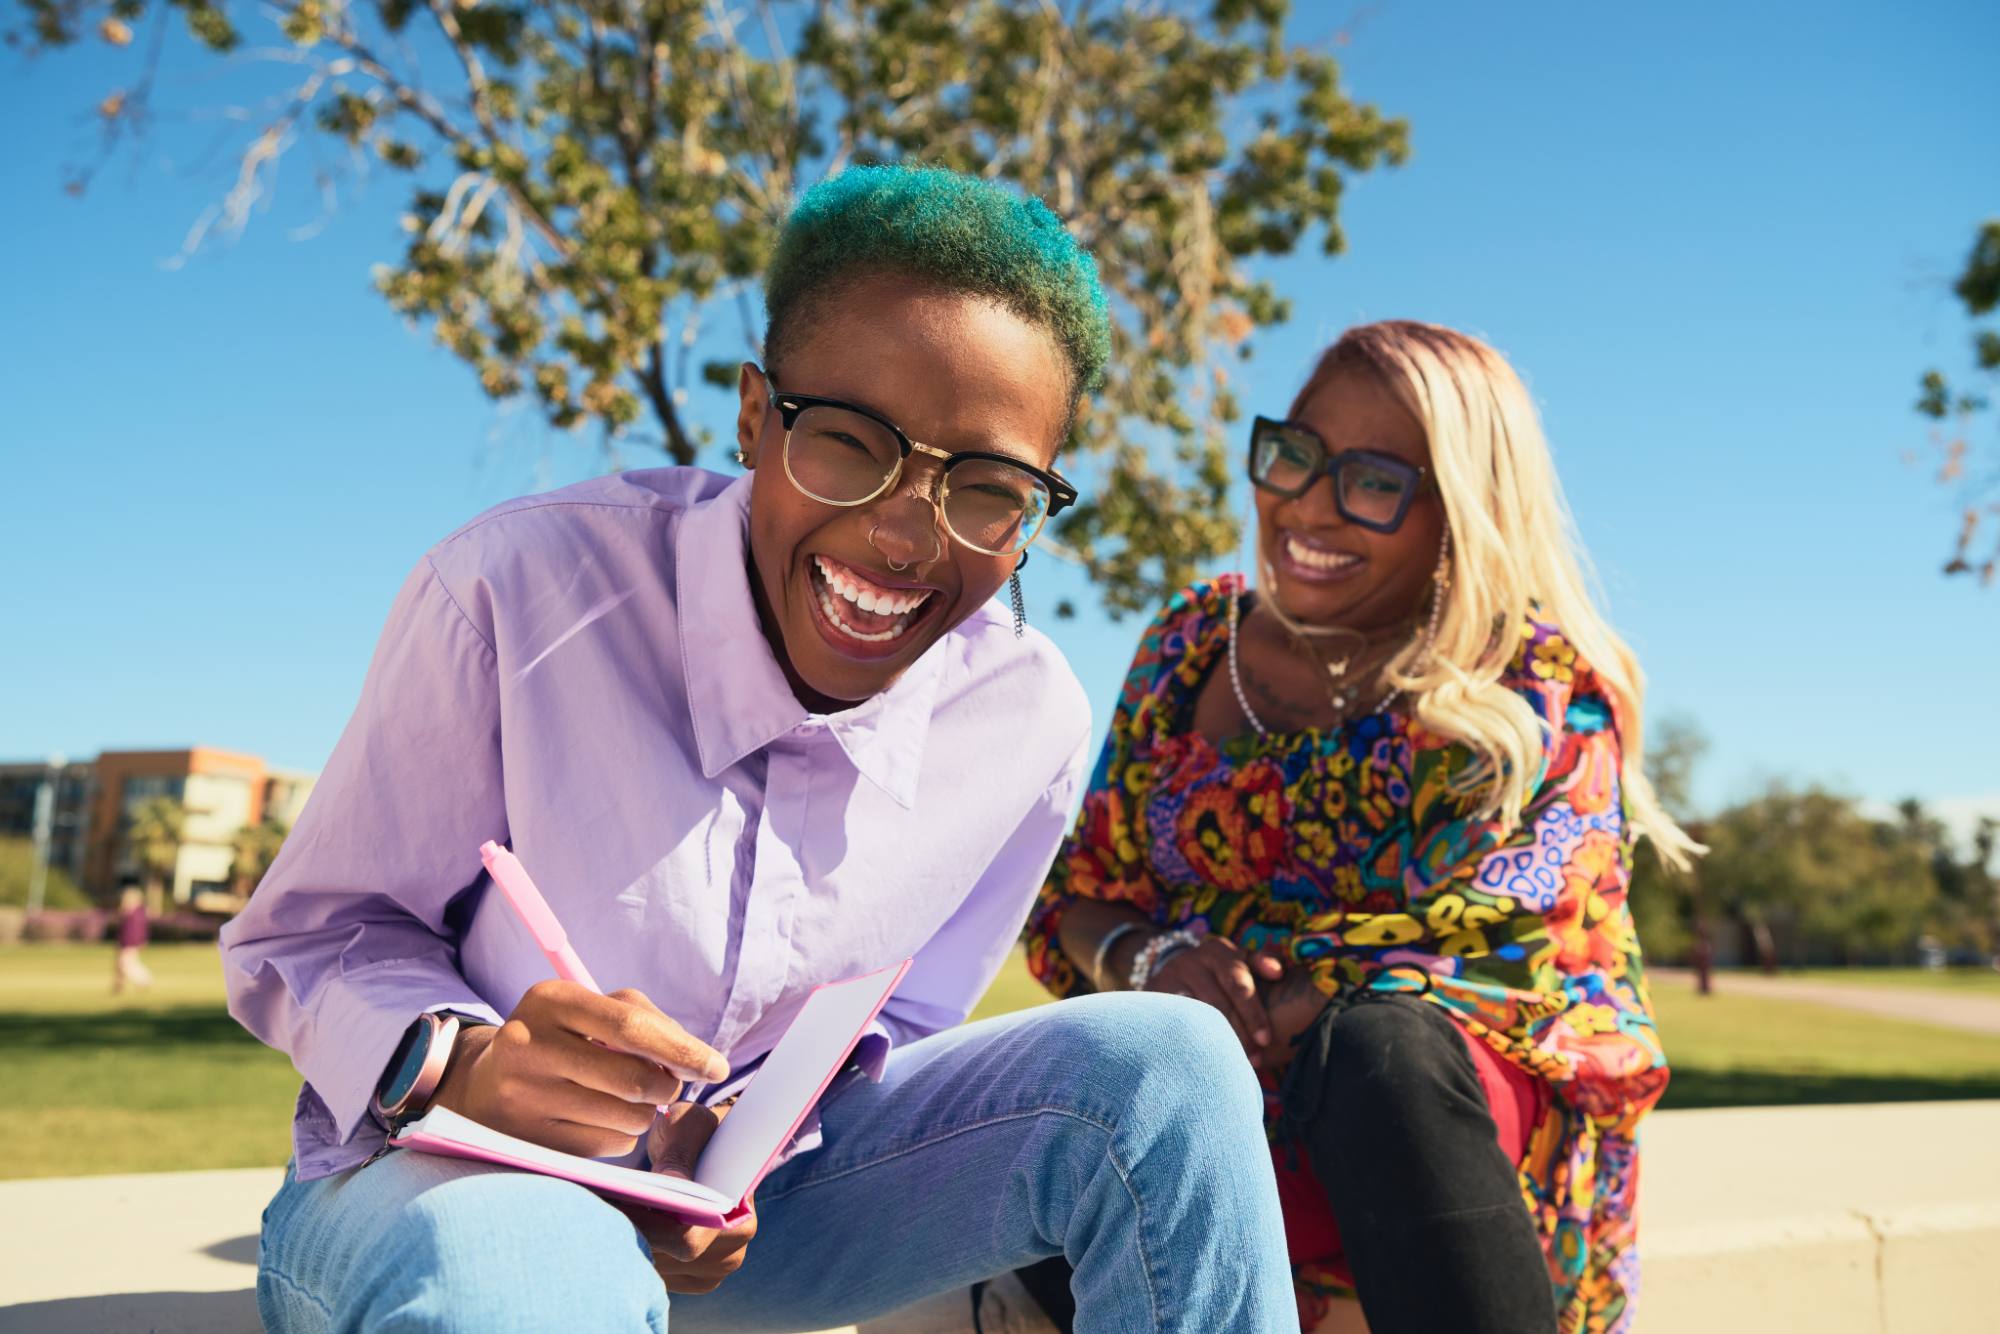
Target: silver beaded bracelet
(1154,954)
(1103,954)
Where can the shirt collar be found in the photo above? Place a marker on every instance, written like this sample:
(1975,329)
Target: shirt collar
(737,692)
(884,735)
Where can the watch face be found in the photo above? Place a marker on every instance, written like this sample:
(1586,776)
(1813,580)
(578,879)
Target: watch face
(407,1063)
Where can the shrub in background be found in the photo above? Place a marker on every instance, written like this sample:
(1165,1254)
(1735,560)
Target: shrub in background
(80,924)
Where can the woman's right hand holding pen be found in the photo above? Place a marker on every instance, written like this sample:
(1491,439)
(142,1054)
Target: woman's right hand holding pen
(576,1071)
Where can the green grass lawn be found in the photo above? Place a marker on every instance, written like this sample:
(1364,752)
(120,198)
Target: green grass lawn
(1955,981)
(90,1083)
(94,1083)
(1732,1051)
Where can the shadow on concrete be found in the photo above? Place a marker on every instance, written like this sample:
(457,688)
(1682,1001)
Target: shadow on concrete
(138,1313)
(1792,1088)
(241,1250)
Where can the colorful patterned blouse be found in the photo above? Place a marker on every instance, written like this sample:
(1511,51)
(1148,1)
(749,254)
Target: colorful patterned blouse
(1353,847)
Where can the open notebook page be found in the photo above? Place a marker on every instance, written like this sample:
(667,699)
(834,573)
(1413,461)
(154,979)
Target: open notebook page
(747,1143)
(811,1052)
(441,1127)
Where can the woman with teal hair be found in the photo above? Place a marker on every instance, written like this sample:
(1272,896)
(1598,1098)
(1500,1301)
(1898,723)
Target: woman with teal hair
(752,735)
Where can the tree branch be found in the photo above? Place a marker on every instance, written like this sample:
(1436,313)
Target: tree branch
(653,380)
(426,110)
(632,139)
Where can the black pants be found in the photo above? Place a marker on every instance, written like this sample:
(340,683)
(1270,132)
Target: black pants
(1387,1103)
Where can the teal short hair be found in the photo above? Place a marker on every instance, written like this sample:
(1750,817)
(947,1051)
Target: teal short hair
(956,232)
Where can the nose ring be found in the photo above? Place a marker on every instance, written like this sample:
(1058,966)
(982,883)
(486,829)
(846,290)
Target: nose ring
(894,564)
(897,565)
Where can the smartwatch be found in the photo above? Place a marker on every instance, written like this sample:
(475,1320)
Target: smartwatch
(417,1067)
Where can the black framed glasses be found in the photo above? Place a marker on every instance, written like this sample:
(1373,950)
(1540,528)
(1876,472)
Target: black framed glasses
(841,454)
(1370,489)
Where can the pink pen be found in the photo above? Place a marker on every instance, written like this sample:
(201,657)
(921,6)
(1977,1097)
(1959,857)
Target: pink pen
(514,882)
(519,887)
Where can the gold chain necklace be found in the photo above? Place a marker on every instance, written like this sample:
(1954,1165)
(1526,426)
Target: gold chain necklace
(1341,699)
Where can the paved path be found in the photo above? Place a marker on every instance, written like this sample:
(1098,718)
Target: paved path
(1917,1005)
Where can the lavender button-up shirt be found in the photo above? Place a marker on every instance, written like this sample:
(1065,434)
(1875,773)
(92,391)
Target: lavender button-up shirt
(582,674)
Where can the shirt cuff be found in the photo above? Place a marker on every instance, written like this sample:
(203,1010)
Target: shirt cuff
(369,1009)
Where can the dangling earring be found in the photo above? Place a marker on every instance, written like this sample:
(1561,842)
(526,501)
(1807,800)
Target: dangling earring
(1440,585)
(1020,603)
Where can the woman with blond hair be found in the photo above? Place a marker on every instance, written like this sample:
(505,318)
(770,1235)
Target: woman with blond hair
(1378,809)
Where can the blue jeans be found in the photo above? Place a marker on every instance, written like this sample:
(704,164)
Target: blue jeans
(1123,1132)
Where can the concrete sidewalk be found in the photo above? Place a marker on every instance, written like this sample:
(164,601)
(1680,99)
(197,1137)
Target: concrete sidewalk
(1916,1005)
(1871,1219)
(170,1252)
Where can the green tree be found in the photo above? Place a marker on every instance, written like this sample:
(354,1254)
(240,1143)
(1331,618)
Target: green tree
(1812,876)
(595,185)
(17,862)
(1664,902)
(252,849)
(1979,887)
(153,834)
(1957,409)
(1966,913)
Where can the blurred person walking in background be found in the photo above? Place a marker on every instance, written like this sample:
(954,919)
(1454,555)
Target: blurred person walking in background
(134,929)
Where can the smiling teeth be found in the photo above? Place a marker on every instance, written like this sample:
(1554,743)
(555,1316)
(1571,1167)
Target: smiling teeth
(885,601)
(869,598)
(1315,558)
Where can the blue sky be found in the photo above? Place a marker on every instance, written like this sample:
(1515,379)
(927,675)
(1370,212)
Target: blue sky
(1715,238)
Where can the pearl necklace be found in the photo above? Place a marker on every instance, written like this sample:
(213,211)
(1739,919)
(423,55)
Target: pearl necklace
(1341,699)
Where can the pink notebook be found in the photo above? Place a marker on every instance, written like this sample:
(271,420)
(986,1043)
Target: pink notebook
(746,1145)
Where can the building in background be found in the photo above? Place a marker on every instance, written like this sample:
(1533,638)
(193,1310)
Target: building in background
(221,790)
(20,786)
(285,793)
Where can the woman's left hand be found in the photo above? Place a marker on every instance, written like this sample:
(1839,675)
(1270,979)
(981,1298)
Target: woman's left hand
(1218,973)
(688,1258)
(1292,1001)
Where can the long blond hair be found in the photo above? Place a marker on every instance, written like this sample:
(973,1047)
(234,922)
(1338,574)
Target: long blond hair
(1514,552)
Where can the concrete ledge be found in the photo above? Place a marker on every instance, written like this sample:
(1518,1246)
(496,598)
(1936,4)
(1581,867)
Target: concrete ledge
(166,1252)
(151,1312)
(1821,1273)
(1938,1266)
(1872,1220)
(1923,1268)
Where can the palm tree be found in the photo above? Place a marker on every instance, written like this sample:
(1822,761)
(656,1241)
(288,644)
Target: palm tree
(252,849)
(153,834)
